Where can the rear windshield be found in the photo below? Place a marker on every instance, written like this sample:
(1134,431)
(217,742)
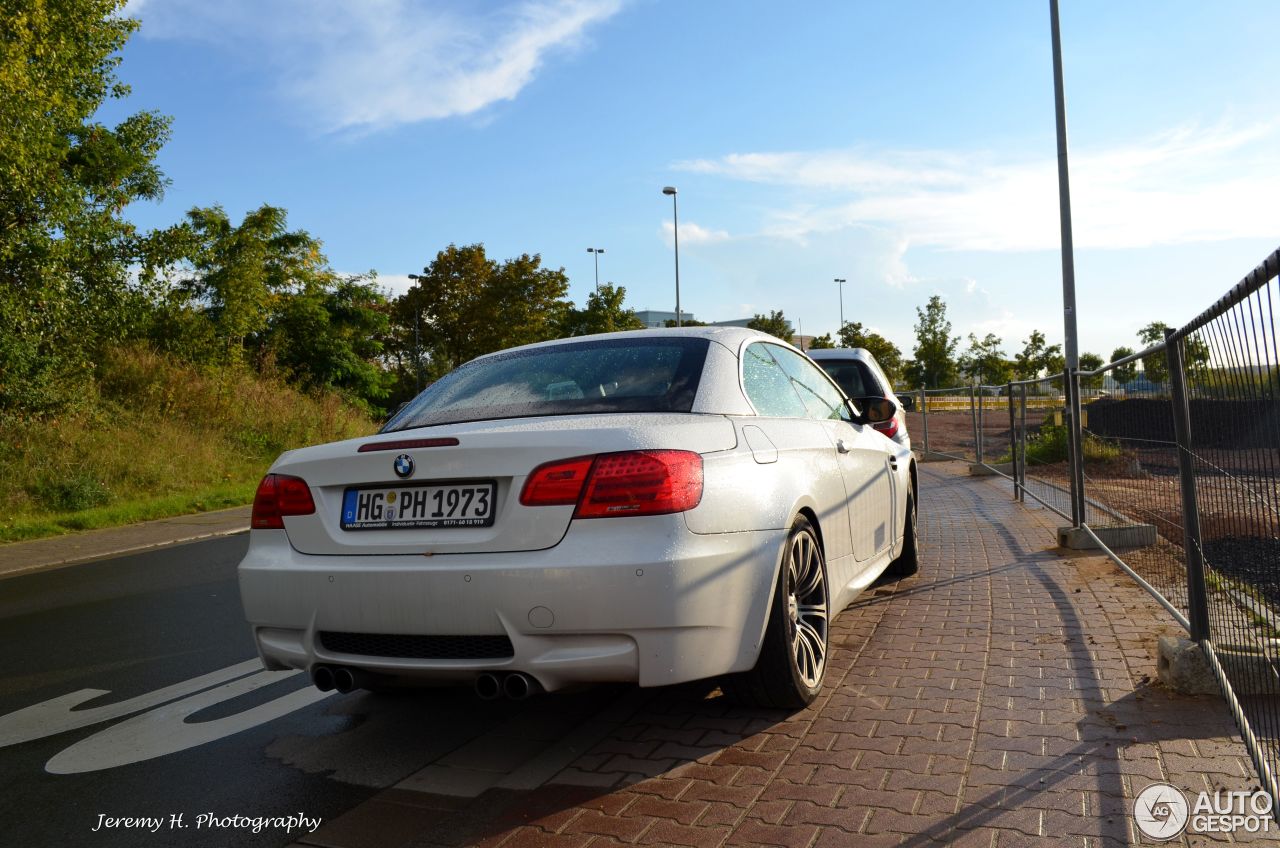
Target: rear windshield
(850,375)
(610,375)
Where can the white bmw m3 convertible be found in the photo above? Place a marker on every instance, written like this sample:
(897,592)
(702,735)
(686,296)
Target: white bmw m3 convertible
(649,507)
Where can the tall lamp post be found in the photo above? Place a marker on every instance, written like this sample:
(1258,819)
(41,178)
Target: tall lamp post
(675,230)
(840,281)
(1070,344)
(596,251)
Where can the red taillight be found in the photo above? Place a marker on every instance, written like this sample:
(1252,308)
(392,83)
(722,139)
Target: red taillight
(654,482)
(889,428)
(642,483)
(556,483)
(279,495)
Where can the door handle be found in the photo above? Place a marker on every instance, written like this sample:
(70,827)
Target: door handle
(841,447)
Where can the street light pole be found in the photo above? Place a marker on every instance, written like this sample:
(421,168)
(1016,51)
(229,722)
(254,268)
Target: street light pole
(1071,348)
(1064,198)
(840,284)
(675,231)
(596,251)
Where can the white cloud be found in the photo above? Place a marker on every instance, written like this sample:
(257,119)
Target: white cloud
(396,284)
(1185,185)
(691,233)
(374,64)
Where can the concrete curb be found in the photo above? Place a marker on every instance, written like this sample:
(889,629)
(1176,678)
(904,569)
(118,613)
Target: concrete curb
(20,558)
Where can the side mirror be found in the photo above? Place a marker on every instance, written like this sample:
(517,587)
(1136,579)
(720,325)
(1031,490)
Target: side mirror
(876,410)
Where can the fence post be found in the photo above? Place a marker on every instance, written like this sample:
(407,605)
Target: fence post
(1022,445)
(973,414)
(982,415)
(1074,459)
(1077,426)
(1197,594)
(924,417)
(1013,441)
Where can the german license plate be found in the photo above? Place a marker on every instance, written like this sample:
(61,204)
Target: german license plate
(425,506)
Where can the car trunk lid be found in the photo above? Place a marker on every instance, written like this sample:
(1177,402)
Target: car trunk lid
(494,456)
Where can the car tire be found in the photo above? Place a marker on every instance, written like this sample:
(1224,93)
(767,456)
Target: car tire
(908,562)
(793,659)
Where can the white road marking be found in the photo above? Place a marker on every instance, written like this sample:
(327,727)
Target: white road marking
(58,715)
(165,730)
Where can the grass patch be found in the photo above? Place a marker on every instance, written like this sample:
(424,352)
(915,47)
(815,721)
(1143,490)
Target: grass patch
(159,438)
(126,512)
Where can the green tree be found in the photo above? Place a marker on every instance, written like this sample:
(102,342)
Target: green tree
(1155,367)
(244,277)
(934,365)
(775,324)
(1195,353)
(1091,362)
(984,362)
(65,248)
(684,322)
(604,313)
(1124,373)
(853,334)
(1038,358)
(330,335)
(822,342)
(467,305)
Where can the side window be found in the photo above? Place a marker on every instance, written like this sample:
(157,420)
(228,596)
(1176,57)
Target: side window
(821,399)
(768,386)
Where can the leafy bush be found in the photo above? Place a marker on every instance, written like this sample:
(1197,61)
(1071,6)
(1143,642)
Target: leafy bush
(70,493)
(1049,446)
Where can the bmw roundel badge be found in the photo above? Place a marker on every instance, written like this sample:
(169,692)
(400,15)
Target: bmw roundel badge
(403,465)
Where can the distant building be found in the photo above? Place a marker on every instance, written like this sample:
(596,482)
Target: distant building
(654,318)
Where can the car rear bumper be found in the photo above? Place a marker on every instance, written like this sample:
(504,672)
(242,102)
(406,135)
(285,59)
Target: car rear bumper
(628,599)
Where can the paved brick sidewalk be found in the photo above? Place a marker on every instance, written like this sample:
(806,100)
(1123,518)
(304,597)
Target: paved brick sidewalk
(1002,697)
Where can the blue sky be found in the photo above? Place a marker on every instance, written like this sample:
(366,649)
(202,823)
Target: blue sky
(907,147)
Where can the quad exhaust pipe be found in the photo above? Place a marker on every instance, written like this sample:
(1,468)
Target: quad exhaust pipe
(517,686)
(488,687)
(322,677)
(328,678)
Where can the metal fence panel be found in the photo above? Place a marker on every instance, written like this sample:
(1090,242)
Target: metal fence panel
(1232,369)
(1186,459)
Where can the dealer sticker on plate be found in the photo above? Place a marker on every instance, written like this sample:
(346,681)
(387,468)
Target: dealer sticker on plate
(419,506)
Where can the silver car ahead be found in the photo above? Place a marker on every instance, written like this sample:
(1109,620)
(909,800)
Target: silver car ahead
(859,376)
(651,507)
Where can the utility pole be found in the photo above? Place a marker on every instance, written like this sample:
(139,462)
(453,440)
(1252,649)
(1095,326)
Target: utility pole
(1071,388)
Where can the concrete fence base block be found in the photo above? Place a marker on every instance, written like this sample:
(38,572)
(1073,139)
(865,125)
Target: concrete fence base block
(976,470)
(1115,538)
(931,456)
(1182,666)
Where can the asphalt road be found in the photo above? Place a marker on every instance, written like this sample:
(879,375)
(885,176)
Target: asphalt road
(202,729)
